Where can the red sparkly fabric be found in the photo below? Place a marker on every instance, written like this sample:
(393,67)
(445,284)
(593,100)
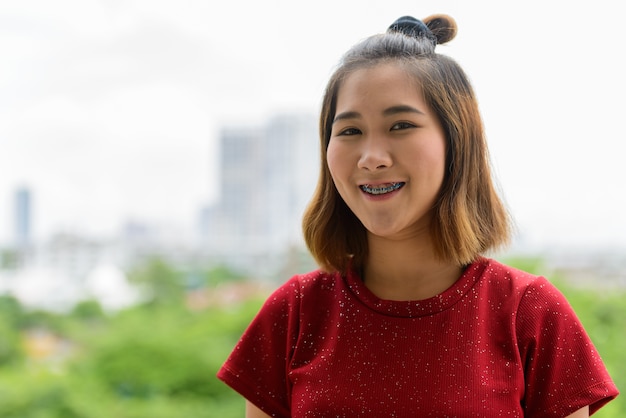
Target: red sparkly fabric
(499,342)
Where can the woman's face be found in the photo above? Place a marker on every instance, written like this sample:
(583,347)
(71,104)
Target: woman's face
(387,151)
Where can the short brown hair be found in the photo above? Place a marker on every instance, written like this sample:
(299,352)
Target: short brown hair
(468,217)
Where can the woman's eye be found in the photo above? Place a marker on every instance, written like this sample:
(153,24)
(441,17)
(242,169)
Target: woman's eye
(402,125)
(349,132)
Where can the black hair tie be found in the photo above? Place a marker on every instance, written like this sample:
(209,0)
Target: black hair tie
(412,27)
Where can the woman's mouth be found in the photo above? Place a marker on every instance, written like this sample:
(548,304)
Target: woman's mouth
(381,188)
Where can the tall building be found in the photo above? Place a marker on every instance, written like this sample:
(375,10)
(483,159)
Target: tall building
(23,218)
(267,175)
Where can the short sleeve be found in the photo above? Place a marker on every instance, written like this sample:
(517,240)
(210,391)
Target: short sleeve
(563,370)
(258,366)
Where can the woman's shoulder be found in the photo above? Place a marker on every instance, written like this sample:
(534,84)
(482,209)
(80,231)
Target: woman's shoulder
(500,271)
(528,292)
(509,280)
(314,281)
(309,284)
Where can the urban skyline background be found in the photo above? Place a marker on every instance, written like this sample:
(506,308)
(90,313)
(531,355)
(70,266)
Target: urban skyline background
(112,111)
(252,229)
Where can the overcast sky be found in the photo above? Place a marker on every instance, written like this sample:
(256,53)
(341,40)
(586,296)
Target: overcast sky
(109,110)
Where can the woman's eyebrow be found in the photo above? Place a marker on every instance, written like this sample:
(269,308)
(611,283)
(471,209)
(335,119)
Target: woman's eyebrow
(401,109)
(347,115)
(393,110)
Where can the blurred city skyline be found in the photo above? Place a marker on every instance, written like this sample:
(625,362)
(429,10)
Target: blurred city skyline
(110,111)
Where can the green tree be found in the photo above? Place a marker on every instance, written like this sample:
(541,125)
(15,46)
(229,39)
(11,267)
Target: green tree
(10,345)
(11,310)
(11,315)
(88,310)
(162,283)
(221,274)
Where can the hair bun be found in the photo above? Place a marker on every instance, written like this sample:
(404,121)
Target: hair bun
(439,28)
(415,28)
(442,26)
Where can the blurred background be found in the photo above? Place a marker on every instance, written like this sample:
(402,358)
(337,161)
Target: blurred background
(156,157)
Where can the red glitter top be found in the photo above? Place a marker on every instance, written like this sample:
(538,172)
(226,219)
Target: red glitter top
(499,342)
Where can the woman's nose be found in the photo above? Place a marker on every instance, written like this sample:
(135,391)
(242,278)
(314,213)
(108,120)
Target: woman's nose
(375,155)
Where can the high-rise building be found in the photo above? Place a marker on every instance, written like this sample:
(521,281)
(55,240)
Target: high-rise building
(23,217)
(267,175)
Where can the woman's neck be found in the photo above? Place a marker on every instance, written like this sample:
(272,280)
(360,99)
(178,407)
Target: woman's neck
(407,269)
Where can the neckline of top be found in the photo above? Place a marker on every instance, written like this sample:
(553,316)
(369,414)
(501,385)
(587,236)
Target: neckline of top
(417,308)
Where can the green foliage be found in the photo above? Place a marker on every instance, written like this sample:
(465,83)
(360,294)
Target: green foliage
(156,357)
(41,394)
(161,281)
(88,310)
(40,319)
(145,362)
(10,344)
(10,310)
(222,274)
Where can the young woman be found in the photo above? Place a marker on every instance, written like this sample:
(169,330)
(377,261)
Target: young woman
(406,316)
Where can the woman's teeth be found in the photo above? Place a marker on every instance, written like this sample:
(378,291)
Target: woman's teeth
(382,189)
